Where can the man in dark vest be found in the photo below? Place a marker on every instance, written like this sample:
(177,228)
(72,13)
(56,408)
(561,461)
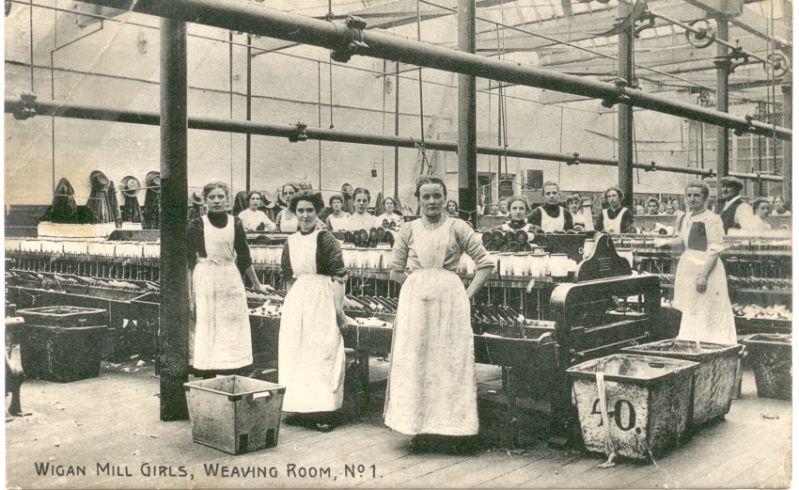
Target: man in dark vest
(735,212)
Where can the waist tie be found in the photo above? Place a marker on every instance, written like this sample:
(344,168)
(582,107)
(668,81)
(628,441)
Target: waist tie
(216,261)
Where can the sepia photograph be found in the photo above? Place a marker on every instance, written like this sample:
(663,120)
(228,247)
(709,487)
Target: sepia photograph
(398,244)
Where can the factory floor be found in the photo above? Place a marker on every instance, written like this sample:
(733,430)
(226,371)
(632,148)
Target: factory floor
(112,421)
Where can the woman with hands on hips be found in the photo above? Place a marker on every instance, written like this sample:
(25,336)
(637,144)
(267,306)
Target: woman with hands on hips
(700,285)
(219,340)
(310,346)
(432,390)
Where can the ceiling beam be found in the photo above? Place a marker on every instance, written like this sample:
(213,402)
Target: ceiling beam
(748,20)
(386,16)
(578,27)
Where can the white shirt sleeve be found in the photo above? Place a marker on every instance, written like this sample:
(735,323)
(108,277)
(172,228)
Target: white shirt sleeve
(744,216)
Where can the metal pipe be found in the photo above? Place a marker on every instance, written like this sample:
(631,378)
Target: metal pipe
(229,14)
(787,121)
(625,114)
(248,137)
(723,69)
(173,337)
(467,116)
(396,131)
(62,109)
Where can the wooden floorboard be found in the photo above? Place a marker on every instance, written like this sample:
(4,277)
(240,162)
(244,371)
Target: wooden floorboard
(114,418)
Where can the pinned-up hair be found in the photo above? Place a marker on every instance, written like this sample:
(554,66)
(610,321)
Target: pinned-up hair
(429,179)
(218,184)
(698,184)
(361,190)
(523,199)
(313,197)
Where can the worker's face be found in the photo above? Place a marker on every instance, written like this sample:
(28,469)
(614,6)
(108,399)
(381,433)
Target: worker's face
(336,205)
(452,208)
(389,205)
(652,207)
(288,192)
(347,189)
(675,204)
(779,204)
(694,199)
(518,211)
(551,194)
(217,200)
(431,199)
(306,214)
(614,200)
(503,207)
(728,191)
(361,202)
(255,201)
(763,210)
(573,206)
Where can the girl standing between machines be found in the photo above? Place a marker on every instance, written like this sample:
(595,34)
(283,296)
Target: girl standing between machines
(219,341)
(700,284)
(310,346)
(432,390)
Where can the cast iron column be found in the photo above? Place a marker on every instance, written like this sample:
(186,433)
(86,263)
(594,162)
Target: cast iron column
(248,140)
(173,337)
(467,117)
(723,65)
(787,122)
(625,111)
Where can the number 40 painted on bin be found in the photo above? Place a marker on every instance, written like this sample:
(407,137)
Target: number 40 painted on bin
(616,413)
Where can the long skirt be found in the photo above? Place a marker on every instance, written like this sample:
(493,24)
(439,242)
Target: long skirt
(310,348)
(708,316)
(220,338)
(431,386)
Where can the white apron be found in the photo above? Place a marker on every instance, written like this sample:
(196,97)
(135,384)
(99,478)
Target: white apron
(550,224)
(339,223)
(221,337)
(310,346)
(432,387)
(708,316)
(288,221)
(612,226)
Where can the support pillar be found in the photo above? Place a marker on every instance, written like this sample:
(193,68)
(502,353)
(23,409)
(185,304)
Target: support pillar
(467,117)
(173,337)
(787,121)
(626,42)
(723,68)
(396,130)
(248,141)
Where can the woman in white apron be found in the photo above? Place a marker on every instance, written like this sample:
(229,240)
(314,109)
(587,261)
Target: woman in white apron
(360,219)
(219,340)
(615,219)
(286,220)
(581,212)
(550,216)
(392,217)
(310,346)
(519,208)
(432,388)
(338,219)
(700,284)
